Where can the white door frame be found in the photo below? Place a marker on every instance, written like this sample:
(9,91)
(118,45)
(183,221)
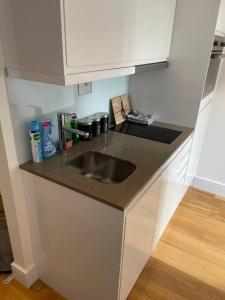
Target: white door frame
(14,198)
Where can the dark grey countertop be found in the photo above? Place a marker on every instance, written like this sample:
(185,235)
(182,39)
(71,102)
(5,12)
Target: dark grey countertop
(148,156)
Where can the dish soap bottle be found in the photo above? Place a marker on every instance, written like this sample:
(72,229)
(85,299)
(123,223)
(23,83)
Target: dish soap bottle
(48,147)
(35,136)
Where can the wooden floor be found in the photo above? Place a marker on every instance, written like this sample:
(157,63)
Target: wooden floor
(15,291)
(188,263)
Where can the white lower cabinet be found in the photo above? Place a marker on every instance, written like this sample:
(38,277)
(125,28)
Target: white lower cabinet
(146,222)
(138,238)
(172,189)
(90,242)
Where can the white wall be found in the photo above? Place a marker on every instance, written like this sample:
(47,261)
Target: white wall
(31,100)
(174,94)
(211,170)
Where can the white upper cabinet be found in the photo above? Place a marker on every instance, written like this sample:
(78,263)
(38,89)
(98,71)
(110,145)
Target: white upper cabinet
(110,34)
(71,41)
(220,26)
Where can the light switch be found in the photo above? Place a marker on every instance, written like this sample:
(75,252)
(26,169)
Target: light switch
(84,88)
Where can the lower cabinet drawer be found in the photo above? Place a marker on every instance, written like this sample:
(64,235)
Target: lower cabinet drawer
(185,149)
(172,190)
(179,162)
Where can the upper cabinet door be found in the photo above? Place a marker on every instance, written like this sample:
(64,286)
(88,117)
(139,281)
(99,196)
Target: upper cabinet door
(103,34)
(72,41)
(220,26)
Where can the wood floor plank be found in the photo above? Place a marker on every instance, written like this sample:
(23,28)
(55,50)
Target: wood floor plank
(160,281)
(15,291)
(192,265)
(218,212)
(201,250)
(189,261)
(220,198)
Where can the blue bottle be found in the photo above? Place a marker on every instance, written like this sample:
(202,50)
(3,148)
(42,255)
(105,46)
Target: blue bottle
(48,146)
(35,137)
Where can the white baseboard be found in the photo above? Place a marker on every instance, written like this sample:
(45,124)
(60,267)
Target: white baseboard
(25,277)
(210,186)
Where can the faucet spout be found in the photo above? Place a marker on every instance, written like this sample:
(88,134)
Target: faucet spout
(63,130)
(76,131)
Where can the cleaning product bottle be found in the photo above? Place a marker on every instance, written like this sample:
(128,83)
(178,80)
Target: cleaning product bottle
(48,147)
(35,136)
(74,124)
(69,136)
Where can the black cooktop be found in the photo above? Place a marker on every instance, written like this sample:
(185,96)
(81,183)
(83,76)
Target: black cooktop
(152,132)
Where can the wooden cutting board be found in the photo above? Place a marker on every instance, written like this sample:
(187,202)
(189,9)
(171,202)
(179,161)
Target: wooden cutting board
(120,107)
(126,104)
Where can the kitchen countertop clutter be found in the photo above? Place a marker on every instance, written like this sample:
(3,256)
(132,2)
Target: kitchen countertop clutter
(95,124)
(149,157)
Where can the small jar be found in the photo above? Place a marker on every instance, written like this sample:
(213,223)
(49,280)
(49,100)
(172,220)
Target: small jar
(104,121)
(96,125)
(86,125)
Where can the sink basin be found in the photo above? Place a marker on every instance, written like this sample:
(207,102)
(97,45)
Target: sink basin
(102,167)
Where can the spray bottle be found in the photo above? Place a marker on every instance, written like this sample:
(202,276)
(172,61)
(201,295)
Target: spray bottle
(48,146)
(35,136)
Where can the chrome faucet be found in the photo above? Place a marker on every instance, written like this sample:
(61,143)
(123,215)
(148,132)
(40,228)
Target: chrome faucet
(63,130)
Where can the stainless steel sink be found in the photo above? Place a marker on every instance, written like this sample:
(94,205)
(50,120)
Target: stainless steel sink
(102,167)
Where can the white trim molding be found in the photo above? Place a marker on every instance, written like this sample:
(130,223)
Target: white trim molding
(19,217)
(70,79)
(211,186)
(25,276)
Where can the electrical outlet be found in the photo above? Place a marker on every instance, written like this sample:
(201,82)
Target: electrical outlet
(84,88)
